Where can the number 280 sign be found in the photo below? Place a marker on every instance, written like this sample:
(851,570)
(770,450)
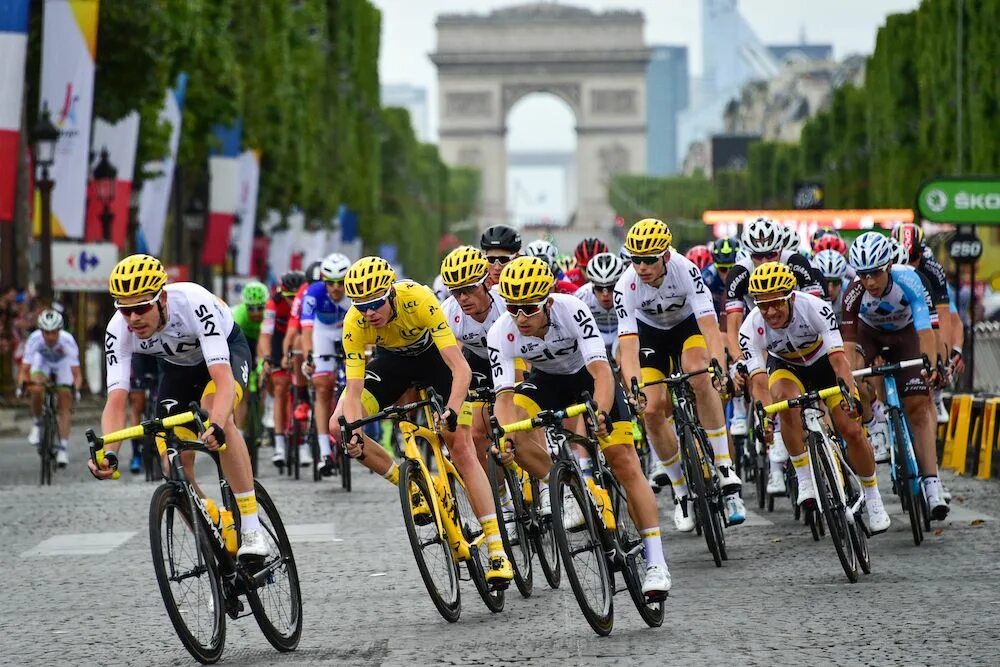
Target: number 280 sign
(965,247)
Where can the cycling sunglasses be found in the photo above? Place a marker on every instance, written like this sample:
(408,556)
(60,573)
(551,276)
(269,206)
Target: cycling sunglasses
(871,274)
(769,304)
(371,305)
(500,259)
(468,289)
(255,309)
(647,259)
(764,256)
(604,288)
(527,309)
(140,308)
(338,281)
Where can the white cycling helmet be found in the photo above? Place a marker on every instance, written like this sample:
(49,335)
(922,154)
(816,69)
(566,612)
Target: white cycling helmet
(543,250)
(871,251)
(763,236)
(831,264)
(440,289)
(605,269)
(50,320)
(792,240)
(334,267)
(902,256)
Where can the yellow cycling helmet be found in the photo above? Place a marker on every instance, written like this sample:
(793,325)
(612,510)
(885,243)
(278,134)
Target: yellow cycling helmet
(526,280)
(566,263)
(771,278)
(648,237)
(463,266)
(369,278)
(137,275)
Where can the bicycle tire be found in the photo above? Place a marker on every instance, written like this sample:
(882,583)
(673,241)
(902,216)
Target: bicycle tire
(904,481)
(345,469)
(447,600)
(45,450)
(833,510)
(518,545)
(717,515)
(760,481)
(634,565)
(313,440)
(479,560)
(167,506)
(272,524)
(254,427)
(694,471)
(814,519)
(857,532)
(545,540)
(564,478)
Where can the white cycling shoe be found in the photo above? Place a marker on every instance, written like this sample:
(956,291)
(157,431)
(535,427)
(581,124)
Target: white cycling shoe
(254,544)
(305,456)
(807,491)
(776,483)
(572,514)
(278,458)
(657,583)
(736,511)
(738,426)
(545,503)
(878,435)
(62,458)
(878,518)
(35,435)
(729,481)
(683,517)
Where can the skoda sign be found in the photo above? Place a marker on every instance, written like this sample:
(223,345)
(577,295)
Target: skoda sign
(959,201)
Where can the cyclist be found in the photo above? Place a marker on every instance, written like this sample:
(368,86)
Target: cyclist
(700,256)
(323,310)
(270,348)
(439,288)
(249,317)
(603,272)
(585,250)
(833,267)
(501,244)
(791,344)
(51,351)
(205,358)
(557,335)
(666,321)
(550,255)
(293,351)
(144,372)
(886,314)
(413,345)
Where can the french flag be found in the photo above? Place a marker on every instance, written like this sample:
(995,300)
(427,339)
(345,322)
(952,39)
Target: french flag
(224,193)
(13,47)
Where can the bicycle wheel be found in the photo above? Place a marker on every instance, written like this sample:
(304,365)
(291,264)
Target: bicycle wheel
(295,438)
(187,574)
(253,428)
(856,529)
(695,469)
(545,540)
(46,450)
(717,514)
(479,562)
(834,512)
(631,547)
(437,567)
(514,521)
(905,483)
(581,549)
(313,439)
(760,477)
(277,603)
(345,469)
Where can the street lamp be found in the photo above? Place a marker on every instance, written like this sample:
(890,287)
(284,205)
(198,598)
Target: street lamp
(105,183)
(194,222)
(43,138)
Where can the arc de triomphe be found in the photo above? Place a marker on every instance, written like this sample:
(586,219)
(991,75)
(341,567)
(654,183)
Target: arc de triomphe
(595,62)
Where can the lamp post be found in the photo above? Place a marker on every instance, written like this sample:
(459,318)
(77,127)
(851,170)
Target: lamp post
(105,183)
(194,221)
(43,138)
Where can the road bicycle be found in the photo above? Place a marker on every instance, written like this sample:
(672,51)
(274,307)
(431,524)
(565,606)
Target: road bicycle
(337,451)
(594,531)
(907,482)
(696,457)
(442,528)
(838,490)
(194,544)
(49,442)
(254,425)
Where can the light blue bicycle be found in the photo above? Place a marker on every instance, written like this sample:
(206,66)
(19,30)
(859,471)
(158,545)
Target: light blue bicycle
(907,483)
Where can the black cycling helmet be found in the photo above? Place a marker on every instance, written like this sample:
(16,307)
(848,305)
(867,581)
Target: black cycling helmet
(313,272)
(501,237)
(291,281)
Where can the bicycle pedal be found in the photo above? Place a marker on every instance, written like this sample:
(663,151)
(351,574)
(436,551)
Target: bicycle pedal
(656,596)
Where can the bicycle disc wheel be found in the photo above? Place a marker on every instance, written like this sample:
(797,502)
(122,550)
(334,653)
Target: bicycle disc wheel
(695,469)
(833,510)
(479,563)
(430,548)
(904,480)
(277,603)
(187,574)
(513,520)
(634,555)
(545,539)
(580,547)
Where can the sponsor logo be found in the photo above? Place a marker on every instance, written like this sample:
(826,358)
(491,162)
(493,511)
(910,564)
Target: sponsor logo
(374,377)
(647,351)
(168,404)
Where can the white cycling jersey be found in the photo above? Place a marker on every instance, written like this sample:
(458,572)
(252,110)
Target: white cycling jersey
(470,333)
(681,293)
(606,319)
(196,331)
(571,342)
(36,352)
(811,334)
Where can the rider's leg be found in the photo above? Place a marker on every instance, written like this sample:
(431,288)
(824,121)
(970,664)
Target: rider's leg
(323,382)
(36,389)
(662,436)
(861,458)
(64,404)
(235,461)
(374,458)
(281,381)
(923,422)
(710,411)
(783,386)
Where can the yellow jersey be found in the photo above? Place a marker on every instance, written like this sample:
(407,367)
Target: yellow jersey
(418,324)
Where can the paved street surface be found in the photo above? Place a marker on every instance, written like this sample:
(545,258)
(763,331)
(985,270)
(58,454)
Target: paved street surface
(79,588)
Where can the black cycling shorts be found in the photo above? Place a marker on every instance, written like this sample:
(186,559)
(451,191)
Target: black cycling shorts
(660,349)
(481,372)
(182,385)
(895,346)
(145,370)
(389,375)
(555,392)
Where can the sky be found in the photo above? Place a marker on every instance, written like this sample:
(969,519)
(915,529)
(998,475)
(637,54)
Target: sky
(543,122)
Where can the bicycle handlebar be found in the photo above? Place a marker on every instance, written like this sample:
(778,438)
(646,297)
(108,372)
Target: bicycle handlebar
(392,412)
(809,397)
(887,369)
(547,418)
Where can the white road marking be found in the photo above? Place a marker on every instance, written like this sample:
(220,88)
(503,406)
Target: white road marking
(311,532)
(754,519)
(79,544)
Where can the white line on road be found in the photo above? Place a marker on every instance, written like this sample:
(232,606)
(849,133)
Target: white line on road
(311,532)
(79,544)
(754,519)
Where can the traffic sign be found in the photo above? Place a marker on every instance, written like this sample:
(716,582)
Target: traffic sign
(960,201)
(965,248)
(82,267)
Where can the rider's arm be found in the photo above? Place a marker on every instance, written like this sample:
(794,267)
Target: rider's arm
(215,350)
(461,376)
(704,311)
(736,289)
(353,409)
(604,385)
(225,393)
(595,356)
(77,377)
(115,414)
(709,327)
(266,331)
(628,329)
(849,314)
(753,352)
(307,341)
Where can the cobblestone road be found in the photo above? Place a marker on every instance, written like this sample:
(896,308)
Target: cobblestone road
(780,599)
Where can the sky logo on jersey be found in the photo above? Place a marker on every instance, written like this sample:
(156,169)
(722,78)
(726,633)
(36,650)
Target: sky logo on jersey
(647,351)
